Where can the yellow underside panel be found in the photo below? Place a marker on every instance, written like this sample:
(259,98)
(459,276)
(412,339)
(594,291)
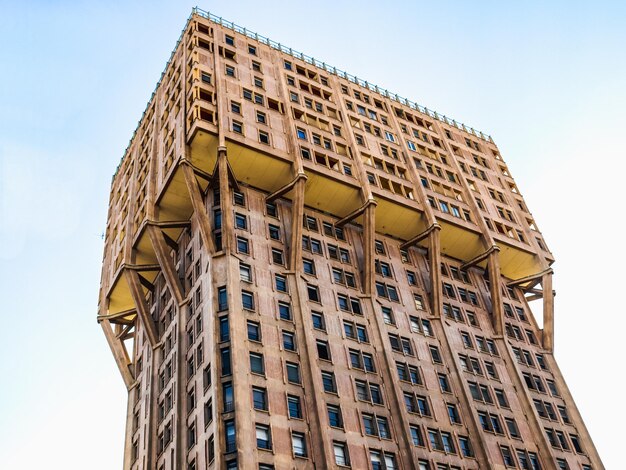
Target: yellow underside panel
(258,169)
(204,151)
(397,220)
(330,195)
(120,298)
(175,203)
(516,263)
(460,243)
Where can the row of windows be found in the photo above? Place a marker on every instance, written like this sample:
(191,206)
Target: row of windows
(515,332)
(465,295)
(525,357)
(484,345)
(473,366)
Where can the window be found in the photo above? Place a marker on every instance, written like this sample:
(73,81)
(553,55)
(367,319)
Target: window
(229,430)
(241,221)
(247,300)
(243,246)
(294,407)
(274,232)
(230,40)
(264,137)
(334,416)
(501,397)
(251,49)
(293,373)
(562,464)
(576,444)
(263,438)
(318,321)
(435,354)
(444,384)
(511,425)
(230,71)
(224,328)
(245,272)
(465,447)
(323,350)
(387,291)
(259,398)
(341,453)
(254,331)
(257,365)
(225,357)
(289,341)
(298,444)
(368,392)
(278,256)
(208,412)
(222,299)
(313,293)
(284,311)
(453,413)
(507,457)
(281,283)
(308,266)
(235,107)
(227,396)
(383,460)
(328,381)
(416,435)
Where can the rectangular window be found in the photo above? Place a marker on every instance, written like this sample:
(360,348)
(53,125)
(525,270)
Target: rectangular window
(263,440)
(259,398)
(254,331)
(328,381)
(257,365)
(293,372)
(247,300)
(294,407)
(284,311)
(298,444)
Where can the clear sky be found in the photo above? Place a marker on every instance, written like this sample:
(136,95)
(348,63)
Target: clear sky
(546,79)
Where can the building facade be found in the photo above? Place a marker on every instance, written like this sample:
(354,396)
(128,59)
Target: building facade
(302,270)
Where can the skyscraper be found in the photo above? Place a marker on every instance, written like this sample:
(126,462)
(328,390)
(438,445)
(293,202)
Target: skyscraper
(303,270)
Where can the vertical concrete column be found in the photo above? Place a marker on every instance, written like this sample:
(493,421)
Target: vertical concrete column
(297,213)
(225,201)
(548,312)
(369,234)
(434,259)
(497,310)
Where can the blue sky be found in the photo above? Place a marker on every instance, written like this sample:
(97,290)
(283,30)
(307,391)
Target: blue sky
(545,79)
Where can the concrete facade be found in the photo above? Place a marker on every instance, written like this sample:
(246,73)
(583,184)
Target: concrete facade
(302,270)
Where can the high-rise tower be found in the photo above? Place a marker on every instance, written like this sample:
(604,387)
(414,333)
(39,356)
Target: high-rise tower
(303,270)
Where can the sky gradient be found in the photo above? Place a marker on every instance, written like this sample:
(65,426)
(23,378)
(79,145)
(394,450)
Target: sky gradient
(546,79)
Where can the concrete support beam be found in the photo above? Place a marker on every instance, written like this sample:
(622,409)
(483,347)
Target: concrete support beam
(199,208)
(548,312)
(165,262)
(119,354)
(434,260)
(143,310)
(497,309)
(356,213)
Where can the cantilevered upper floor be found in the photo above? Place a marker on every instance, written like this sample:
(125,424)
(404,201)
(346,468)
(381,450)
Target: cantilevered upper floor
(281,115)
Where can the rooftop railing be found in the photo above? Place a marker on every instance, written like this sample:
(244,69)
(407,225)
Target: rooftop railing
(309,60)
